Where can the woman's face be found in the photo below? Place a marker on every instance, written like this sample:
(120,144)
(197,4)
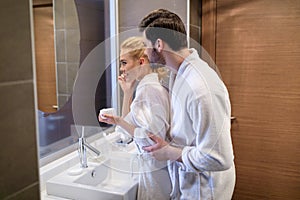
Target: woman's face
(129,67)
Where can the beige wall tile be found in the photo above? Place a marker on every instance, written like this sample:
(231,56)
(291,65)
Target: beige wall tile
(60,46)
(132,11)
(72,73)
(59,14)
(62,78)
(72,42)
(71,17)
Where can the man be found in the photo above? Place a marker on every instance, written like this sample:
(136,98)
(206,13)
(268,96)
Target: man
(200,152)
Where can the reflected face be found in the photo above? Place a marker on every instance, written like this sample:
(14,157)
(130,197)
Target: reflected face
(129,66)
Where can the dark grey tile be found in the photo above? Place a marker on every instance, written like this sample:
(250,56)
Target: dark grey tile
(18,154)
(15,40)
(32,193)
(86,47)
(92,25)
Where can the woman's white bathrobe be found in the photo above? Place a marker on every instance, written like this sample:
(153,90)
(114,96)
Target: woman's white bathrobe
(201,126)
(149,111)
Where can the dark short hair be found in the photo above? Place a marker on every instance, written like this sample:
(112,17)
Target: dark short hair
(165,25)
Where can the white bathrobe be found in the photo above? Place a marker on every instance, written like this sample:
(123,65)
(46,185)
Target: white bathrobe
(201,126)
(149,111)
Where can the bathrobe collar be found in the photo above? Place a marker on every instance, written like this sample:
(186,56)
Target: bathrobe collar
(151,78)
(187,61)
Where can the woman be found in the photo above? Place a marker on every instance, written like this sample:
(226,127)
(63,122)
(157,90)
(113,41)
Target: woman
(147,112)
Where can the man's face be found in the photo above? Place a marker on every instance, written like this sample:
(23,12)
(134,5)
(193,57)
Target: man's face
(154,56)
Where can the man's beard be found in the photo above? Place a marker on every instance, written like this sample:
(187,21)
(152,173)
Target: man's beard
(156,58)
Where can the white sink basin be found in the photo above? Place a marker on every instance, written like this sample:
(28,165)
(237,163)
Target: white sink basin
(109,179)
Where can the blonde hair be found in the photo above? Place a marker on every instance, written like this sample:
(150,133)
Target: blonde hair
(135,47)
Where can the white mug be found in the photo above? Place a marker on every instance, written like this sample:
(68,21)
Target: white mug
(110,111)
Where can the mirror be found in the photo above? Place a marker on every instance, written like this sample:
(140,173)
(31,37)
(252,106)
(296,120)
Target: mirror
(67,48)
(45,55)
(57,44)
(97,21)
(66,32)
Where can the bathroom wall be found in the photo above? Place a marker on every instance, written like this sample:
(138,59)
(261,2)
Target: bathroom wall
(18,152)
(131,12)
(256,46)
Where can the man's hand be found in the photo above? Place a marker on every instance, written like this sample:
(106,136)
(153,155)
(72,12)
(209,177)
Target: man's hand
(161,150)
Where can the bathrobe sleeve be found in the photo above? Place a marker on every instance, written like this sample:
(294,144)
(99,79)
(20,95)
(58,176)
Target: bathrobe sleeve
(151,111)
(212,148)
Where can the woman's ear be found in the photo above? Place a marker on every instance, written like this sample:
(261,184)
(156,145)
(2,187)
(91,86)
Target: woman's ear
(142,60)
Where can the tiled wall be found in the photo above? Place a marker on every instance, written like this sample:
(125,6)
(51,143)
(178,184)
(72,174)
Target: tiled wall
(18,151)
(131,11)
(67,38)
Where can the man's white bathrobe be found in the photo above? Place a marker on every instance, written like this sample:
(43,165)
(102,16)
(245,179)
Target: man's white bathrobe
(200,124)
(150,112)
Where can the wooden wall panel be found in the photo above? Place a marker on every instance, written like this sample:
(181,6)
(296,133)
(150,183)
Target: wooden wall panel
(208,33)
(257,50)
(41,2)
(45,60)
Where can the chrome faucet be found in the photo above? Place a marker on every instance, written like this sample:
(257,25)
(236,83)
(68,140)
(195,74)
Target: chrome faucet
(82,145)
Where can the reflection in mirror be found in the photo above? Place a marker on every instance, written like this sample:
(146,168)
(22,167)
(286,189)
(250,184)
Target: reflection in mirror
(76,27)
(45,55)
(57,38)
(67,48)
